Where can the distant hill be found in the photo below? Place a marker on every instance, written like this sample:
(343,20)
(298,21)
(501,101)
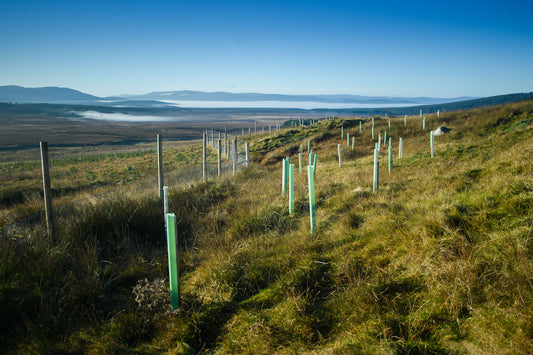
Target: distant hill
(155,100)
(51,94)
(452,106)
(19,94)
(187,95)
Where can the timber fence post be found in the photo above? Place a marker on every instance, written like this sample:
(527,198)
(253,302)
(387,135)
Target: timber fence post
(160,182)
(47,191)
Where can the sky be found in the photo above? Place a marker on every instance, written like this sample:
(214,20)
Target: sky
(386,48)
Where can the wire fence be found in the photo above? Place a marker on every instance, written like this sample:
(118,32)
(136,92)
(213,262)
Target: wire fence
(70,200)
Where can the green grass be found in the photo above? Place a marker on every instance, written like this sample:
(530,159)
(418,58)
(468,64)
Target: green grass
(440,260)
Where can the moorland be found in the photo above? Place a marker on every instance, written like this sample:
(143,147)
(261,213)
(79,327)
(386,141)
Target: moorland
(438,260)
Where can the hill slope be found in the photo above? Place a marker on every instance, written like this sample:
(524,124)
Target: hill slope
(439,260)
(19,94)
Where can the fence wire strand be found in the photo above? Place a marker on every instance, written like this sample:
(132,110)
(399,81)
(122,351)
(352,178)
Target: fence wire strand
(182,176)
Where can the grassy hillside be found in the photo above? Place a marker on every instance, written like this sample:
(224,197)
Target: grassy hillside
(439,260)
(431,109)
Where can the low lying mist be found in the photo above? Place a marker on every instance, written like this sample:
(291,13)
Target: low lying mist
(123,117)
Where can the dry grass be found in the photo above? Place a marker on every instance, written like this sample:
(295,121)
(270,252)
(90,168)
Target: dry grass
(438,261)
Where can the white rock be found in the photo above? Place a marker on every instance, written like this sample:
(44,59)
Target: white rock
(440,131)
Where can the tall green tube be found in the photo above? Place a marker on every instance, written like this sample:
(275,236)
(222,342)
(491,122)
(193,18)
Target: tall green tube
(405,120)
(284,176)
(360,126)
(424,123)
(353,142)
(291,188)
(311,183)
(340,156)
(348,140)
(432,143)
(287,164)
(173,269)
(375,185)
(342,132)
(390,155)
(373,129)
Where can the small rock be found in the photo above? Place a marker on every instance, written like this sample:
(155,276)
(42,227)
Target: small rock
(440,131)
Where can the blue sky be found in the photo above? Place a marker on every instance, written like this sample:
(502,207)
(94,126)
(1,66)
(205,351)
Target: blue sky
(395,48)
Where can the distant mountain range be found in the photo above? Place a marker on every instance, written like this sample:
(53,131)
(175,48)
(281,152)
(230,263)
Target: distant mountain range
(18,94)
(187,95)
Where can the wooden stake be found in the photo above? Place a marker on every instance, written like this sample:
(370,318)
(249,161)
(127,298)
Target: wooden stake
(47,190)
(219,158)
(234,152)
(160,182)
(204,158)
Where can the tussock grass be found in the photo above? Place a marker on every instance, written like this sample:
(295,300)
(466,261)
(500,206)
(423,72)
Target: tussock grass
(438,261)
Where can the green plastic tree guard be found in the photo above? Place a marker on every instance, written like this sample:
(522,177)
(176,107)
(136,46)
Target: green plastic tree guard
(173,269)
(291,188)
(375,185)
(311,183)
(340,156)
(432,143)
(390,155)
(284,173)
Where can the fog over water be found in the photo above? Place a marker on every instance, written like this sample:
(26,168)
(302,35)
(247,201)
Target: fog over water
(305,105)
(123,117)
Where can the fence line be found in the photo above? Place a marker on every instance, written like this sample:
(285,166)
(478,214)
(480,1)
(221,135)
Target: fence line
(188,174)
(185,175)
